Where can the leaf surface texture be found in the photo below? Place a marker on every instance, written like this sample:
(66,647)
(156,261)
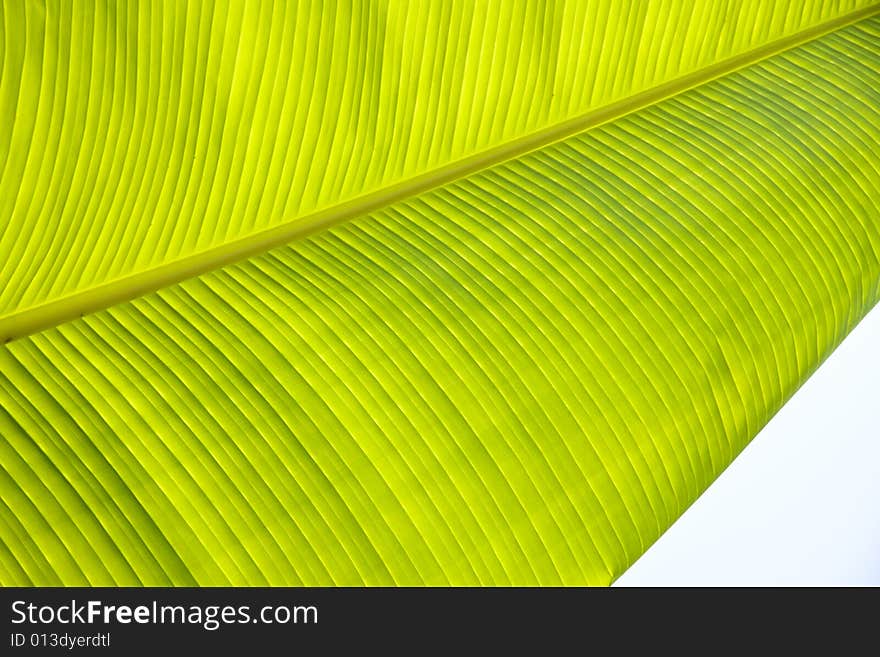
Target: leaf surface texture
(520,377)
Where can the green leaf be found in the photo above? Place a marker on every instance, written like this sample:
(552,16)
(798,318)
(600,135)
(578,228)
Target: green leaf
(147,142)
(518,369)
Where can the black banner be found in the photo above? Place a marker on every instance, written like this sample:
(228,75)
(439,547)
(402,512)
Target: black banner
(287,621)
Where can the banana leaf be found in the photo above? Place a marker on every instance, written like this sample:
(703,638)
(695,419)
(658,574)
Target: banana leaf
(412,293)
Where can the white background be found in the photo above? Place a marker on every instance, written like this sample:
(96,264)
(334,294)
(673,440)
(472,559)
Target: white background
(801,504)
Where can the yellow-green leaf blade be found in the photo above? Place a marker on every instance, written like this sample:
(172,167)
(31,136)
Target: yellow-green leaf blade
(521,377)
(135,135)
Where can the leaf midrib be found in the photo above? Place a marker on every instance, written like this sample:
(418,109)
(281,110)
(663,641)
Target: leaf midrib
(59,311)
